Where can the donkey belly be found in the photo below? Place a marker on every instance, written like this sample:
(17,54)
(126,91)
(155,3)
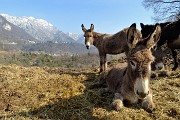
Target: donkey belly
(114,50)
(114,47)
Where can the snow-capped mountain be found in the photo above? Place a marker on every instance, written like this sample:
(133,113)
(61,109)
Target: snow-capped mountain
(30,34)
(74,36)
(11,34)
(80,39)
(39,28)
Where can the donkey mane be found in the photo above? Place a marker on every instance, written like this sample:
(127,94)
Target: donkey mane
(96,35)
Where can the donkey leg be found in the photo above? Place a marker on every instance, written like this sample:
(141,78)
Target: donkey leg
(117,101)
(99,83)
(174,54)
(102,63)
(148,103)
(105,62)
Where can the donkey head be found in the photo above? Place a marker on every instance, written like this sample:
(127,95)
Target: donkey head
(157,52)
(158,62)
(146,29)
(88,34)
(140,58)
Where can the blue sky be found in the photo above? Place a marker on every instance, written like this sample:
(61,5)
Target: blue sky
(108,16)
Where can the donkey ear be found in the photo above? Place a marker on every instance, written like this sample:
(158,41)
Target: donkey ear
(153,37)
(131,36)
(142,25)
(92,27)
(83,28)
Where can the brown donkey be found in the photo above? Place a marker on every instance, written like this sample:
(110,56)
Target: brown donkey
(131,80)
(107,44)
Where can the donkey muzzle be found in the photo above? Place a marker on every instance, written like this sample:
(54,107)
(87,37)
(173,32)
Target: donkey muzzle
(141,88)
(159,66)
(142,94)
(87,47)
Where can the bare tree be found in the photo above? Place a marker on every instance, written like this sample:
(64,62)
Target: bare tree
(164,10)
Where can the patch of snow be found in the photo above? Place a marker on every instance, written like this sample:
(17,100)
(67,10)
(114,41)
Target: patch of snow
(7,27)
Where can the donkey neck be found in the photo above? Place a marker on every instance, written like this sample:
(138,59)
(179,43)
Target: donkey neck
(98,37)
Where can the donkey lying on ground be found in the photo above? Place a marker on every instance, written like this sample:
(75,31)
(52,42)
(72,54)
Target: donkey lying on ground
(131,81)
(107,44)
(170,34)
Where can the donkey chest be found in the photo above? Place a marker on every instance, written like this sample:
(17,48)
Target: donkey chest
(130,96)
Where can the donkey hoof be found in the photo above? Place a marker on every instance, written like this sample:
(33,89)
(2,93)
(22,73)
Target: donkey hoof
(117,104)
(149,107)
(150,110)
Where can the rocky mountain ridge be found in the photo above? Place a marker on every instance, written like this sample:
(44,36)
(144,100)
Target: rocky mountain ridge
(39,29)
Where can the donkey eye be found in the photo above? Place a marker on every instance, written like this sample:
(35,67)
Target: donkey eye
(133,64)
(144,71)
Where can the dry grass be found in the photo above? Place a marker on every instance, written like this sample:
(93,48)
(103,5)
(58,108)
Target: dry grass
(59,93)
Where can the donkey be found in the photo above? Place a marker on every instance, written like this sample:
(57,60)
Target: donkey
(158,62)
(107,44)
(130,81)
(170,34)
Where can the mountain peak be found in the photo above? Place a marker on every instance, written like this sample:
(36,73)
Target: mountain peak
(26,19)
(38,28)
(10,33)
(74,36)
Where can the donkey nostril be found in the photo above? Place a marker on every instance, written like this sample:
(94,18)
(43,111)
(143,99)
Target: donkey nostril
(160,67)
(87,47)
(147,93)
(142,94)
(137,92)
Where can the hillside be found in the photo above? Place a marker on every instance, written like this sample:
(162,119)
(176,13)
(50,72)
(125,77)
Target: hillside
(65,94)
(58,48)
(11,34)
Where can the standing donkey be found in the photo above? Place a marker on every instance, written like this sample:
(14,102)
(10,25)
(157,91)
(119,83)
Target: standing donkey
(131,80)
(107,44)
(170,34)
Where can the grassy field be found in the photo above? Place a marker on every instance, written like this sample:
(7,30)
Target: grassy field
(60,93)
